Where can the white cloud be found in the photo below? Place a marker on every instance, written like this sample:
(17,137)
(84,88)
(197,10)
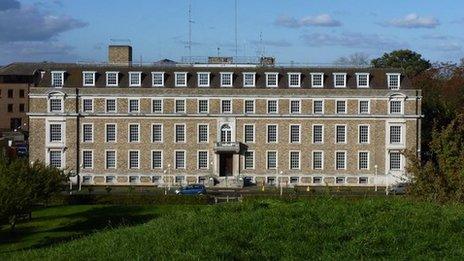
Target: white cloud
(414,21)
(352,40)
(324,20)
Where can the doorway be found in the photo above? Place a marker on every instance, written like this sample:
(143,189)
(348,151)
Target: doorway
(226,164)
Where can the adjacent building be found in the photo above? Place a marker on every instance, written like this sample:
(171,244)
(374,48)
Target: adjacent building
(124,124)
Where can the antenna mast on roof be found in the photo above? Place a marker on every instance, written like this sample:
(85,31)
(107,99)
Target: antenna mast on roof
(236,33)
(190,31)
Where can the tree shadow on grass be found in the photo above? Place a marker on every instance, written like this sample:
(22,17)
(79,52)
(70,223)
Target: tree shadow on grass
(80,224)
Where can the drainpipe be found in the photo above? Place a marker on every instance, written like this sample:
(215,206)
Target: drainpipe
(418,127)
(77,138)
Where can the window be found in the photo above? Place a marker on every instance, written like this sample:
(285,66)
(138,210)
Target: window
(363,160)
(395,161)
(110,179)
(363,80)
(393,81)
(249,131)
(339,80)
(249,106)
(134,105)
(57,78)
(294,133)
(110,132)
(226,106)
(157,79)
(340,180)
(364,107)
(203,133)
(21,107)
(271,160)
(395,134)
(317,180)
(341,107)
(180,106)
(272,133)
(203,106)
(340,133)
(396,107)
(179,159)
(181,79)
(318,160)
(55,158)
(363,180)
(340,160)
(112,78)
(134,159)
(294,180)
(56,105)
(88,78)
(226,133)
(111,105)
(272,79)
(271,181)
(55,133)
(272,106)
(10,107)
(295,106)
(134,132)
(203,79)
(135,79)
(134,179)
(318,106)
(110,159)
(317,80)
(179,133)
(202,159)
(249,79)
(156,159)
(294,160)
(157,106)
(21,94)
(363,134)
(294,80)
(249,160)
(157,132)
(318,134)
(87,132)
(10,93)
(87,159)
(87,105)
(226,79)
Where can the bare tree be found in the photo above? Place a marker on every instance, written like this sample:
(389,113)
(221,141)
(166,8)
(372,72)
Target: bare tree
(355,59)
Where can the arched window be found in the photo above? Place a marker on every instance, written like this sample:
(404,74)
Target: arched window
(226,133)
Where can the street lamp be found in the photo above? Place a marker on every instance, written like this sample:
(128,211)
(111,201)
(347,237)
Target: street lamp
(375,177)
(280,183)
(165,190)
(169,175)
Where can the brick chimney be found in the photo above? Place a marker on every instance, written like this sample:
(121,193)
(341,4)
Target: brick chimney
(120,54)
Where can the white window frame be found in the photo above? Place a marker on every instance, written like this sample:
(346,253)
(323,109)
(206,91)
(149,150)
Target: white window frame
(276,159)
(254,160)
(153,84)
(335,80)
(176,82)
(92,132)
(231,106)
(151,158)
(129,131)
(358,82)
(115,159)
(368,106)
(317,85)
(83,105)
(129,105)
(276,74)
(401,160)
(115,105)
(290,133)
(290,106)
(84,73)
(322,132)
(345,134)
(207,106)
(82,159)
(62,141)
(244,106)
(175,132)
(62,158)
(368,160)
(289,75)
(115,132)
(402,134)
(323,105)
(117,78)
(277,134)
(393,87)
(185,159)
(129,159)
(277,106)
(55,97)
(198,132)
(401,101)
(152,133)
(53,75)
(322,159)
(254,79)
(336,106)
(139,78)
(162,106)
(345,160)
(290,160)
(198,160)
(368,134)
(175,106)
(231,79)
(199,79)
(244,133)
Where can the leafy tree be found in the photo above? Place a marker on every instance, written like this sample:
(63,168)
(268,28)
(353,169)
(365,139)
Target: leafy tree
(409,61)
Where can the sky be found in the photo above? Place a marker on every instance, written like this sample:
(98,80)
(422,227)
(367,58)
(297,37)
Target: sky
(301,31)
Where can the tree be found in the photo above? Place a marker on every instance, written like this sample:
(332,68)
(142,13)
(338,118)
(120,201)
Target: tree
(409,61)
(356,59)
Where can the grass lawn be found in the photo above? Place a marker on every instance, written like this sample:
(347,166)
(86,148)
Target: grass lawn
(319,228)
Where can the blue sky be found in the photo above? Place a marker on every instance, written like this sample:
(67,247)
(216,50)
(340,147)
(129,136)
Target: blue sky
(291,30)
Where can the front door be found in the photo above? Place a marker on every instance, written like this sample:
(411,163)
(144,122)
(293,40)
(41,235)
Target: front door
(226,164)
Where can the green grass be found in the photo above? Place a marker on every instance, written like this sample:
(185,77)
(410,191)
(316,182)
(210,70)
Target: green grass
(320,228)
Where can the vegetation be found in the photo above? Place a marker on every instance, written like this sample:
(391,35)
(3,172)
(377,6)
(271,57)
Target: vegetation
(410,62)
(321,228)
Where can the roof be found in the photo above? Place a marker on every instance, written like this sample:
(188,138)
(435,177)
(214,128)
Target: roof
(29,69)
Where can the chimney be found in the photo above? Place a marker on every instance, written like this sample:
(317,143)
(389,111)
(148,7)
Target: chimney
(120,54)
(220,60)
(267,61)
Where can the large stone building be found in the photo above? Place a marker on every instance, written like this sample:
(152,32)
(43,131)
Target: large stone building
(122,124)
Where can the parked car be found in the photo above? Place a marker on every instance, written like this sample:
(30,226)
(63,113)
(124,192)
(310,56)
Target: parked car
(399,188)
(194,189)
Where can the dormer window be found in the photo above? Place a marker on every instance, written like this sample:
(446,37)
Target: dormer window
(272,79)
(181,79)
(112,79)
(157,79)
(57,79)
(363,80)
(135,79)
(294,80)
(393,81)
(88,78)
(317,80)
(203,79)
(339,80)
(249,79)
(226,79)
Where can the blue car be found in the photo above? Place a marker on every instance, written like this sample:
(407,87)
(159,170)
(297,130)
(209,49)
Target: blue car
(194,189)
